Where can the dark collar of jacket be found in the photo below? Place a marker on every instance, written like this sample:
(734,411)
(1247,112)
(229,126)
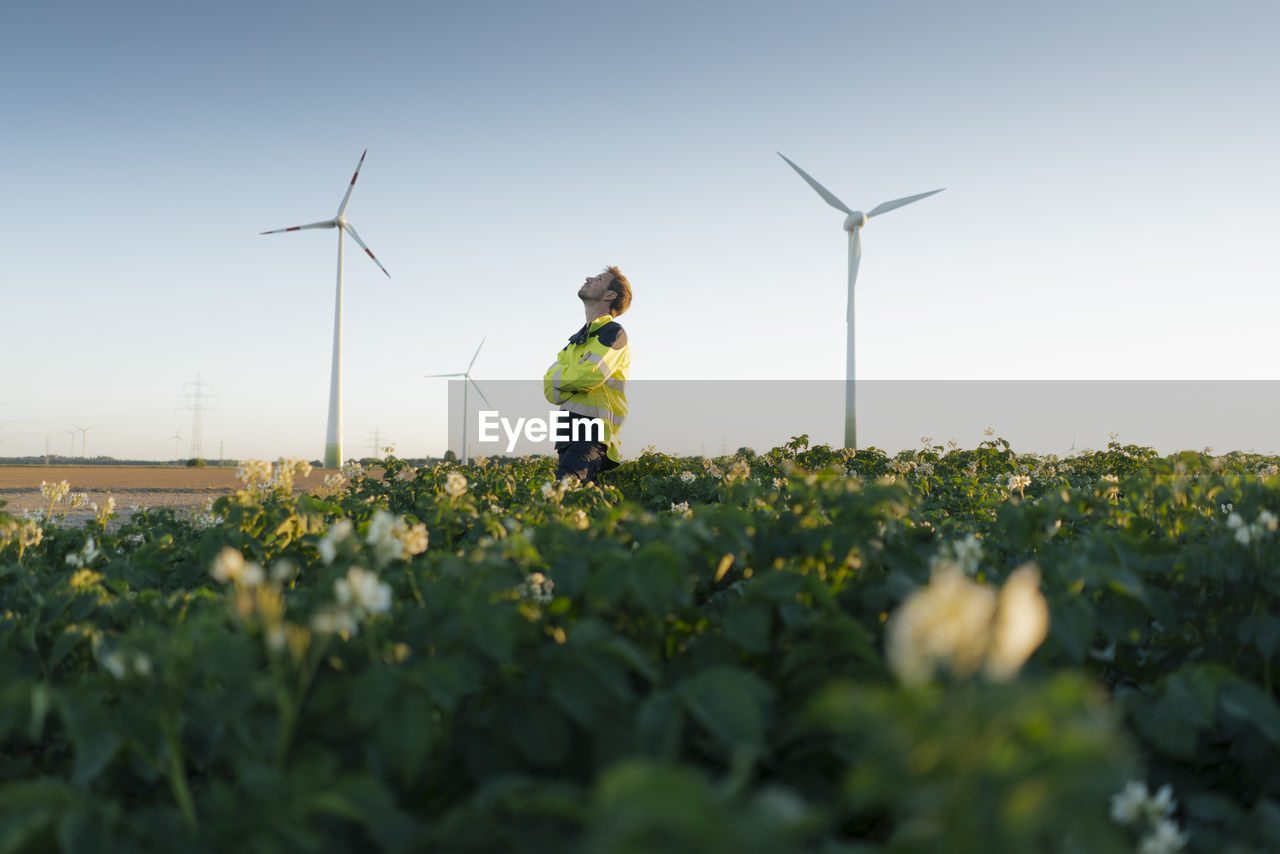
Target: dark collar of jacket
(580,337)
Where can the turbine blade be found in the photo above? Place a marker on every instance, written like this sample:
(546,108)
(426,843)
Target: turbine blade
(473,358)
(328,223)
(478,391)
(342,207)
(826,194)
(444,375)
(357,239)
(897,203)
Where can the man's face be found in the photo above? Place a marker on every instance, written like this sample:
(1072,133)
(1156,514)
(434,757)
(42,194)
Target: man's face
(595,287)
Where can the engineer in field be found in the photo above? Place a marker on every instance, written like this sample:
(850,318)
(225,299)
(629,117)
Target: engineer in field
(589,379)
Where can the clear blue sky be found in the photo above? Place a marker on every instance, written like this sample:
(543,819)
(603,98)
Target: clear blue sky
(1111,204)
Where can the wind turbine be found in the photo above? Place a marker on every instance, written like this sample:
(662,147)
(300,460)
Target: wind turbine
(72,434)
(466,378)
(177,440)
(853,223)
(333,433)
(84,438)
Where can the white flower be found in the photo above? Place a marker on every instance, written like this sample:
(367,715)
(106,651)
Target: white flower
(1227,508)
(79,499)
(738,471)
(779,483)
(252,575)
(1109,478)
(1021,625)
(948,620)
(1129,804)
(328,545)
(955,621)
(362,592)
(1164,838)
(230,566)
(352,470)
(687,477)
(227,566)
(1266,521)
(55,492)
(1161,805)
(966,554)
(1268,470)
(335,480)
(114,664)
(85,556)
(549,491)
(334,621)
(282,571)
(1235,520)
(415,540)
(277,638)
(924,469)
(106,511)
(1018,482)
(579,519)
(455,485)
(253,472)
(406,474)
(538,588)
(682,507)
(383,539)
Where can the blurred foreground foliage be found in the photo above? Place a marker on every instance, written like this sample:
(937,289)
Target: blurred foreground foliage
(688,657)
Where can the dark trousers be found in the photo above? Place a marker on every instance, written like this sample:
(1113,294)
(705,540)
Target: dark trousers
(583,459)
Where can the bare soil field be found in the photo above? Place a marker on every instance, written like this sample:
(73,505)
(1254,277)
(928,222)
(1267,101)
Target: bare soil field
(144,486)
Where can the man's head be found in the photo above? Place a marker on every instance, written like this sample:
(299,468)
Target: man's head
(610,288)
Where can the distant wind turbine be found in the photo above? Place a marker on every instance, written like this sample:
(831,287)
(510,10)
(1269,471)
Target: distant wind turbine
(177,443)
(466,378)
(72,434)
(333,433)
(84,438)
(853,223)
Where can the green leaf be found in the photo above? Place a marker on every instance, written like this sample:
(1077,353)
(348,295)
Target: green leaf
(1247,702)
(1267,635)
(659,727)
(748,626)
(66,642)
(94,740)
(729,703)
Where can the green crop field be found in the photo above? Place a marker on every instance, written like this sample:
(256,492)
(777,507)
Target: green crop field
(950,650)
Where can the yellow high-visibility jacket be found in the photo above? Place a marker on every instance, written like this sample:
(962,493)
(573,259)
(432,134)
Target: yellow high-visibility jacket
(589,378)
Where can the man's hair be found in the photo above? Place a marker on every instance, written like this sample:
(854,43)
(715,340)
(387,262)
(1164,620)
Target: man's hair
(622,288)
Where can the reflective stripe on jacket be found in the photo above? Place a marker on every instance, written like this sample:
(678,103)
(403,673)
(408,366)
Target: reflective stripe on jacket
(589,377)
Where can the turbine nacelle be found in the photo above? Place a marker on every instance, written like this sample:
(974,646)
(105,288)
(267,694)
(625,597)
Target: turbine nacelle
(857,219)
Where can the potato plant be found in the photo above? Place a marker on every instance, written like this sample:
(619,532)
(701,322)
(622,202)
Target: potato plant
(808,649)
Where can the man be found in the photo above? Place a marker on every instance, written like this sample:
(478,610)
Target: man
(589,379)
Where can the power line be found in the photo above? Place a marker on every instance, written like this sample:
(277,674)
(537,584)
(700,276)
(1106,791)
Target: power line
(197,403)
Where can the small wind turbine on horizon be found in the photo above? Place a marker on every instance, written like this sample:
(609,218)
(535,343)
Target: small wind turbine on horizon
(333,432)
(84,438)
(177,443)
(853,223)
(466,378)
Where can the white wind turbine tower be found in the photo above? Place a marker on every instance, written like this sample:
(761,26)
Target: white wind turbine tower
(466,378)
(853,223)
(84,438)
(333,433)
(177,443)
